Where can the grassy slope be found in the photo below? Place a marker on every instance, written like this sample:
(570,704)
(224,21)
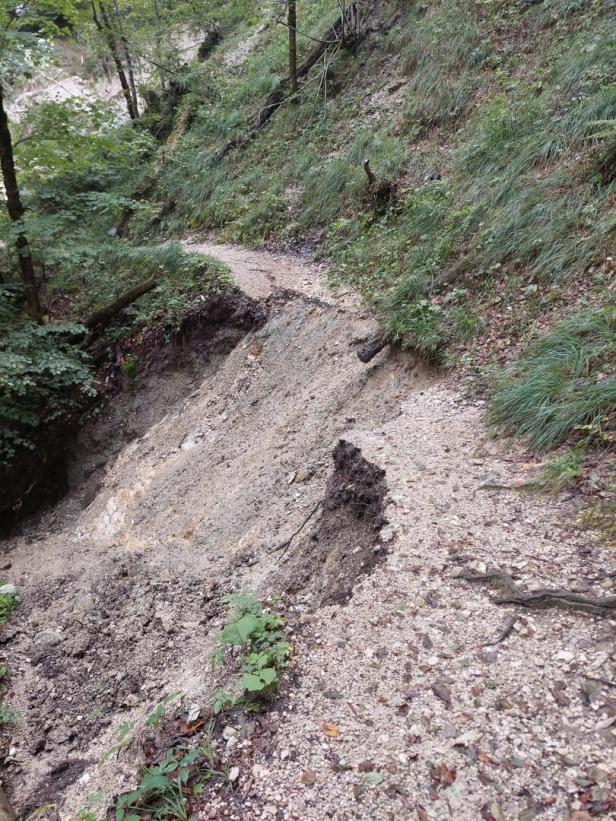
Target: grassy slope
(499,100)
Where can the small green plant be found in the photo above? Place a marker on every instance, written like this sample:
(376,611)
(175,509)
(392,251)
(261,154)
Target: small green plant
(562,471)
(419,325)
(88,813)
(9,599)
(157,715)
(165,790)
(124,736)
(259,635)
(130,365)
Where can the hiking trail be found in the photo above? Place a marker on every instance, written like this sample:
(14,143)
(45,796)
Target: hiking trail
(220,457)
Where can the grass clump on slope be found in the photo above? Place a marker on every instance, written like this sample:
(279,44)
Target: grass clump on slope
(564,383)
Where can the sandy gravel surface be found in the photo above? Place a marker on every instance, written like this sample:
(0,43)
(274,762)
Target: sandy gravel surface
(400,702)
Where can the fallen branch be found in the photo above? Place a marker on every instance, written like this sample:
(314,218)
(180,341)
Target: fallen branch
(101,318)
(512,594)
(506,629)
(371,348)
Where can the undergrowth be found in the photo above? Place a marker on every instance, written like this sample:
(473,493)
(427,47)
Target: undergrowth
(563,384)
(498,150)
(174,777)
(255,639)
(9,600)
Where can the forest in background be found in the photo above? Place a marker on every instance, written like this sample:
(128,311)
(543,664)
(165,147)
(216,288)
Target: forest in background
(455,162)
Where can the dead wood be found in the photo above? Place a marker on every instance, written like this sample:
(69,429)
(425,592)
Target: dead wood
(371,348)
(543,598)
(380,194)
(101,318)
(506,629)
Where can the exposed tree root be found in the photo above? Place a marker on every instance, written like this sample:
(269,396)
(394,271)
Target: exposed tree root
(512,594)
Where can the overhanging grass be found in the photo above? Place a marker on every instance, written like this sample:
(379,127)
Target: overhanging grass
(564,380)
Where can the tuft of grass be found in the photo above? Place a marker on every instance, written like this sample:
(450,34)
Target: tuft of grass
(563,381)
(442,50)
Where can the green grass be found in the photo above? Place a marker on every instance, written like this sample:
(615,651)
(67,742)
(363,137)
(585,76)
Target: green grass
(505,101)
(563,384)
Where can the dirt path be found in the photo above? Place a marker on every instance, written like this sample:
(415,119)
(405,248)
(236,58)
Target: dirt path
(122,591)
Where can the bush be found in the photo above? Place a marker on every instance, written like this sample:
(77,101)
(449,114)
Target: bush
(44,380)
(564,380)
(43,377)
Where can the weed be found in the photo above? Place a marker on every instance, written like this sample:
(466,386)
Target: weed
(124,736)
(259,635)
(561,471)
(164,790)
(130,365)
(158,714)
(9,599)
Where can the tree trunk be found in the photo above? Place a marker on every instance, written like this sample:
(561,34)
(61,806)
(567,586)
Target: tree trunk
(292,24)
(159,46)
(128,58)
(104,28)
(16,213)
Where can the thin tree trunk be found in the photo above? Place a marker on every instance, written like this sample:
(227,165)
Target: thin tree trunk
(292,25)
(16,213)
(105,29)
(159,48)
(128,58)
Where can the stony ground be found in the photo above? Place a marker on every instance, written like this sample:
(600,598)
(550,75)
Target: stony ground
(401,700)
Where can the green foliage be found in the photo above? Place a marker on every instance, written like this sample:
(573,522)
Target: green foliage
(259,635)
(164,789)
(564,380)
(43,378)
(124,736)
(9,600)
(561,471)
(158,714)
(418,325)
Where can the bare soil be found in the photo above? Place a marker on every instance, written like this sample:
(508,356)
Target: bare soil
(267,455)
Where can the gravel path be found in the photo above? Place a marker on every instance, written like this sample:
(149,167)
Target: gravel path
(401,703)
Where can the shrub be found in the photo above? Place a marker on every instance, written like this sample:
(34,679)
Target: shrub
(43,378)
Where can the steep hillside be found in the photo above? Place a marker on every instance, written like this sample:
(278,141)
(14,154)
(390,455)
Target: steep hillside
(487,126)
